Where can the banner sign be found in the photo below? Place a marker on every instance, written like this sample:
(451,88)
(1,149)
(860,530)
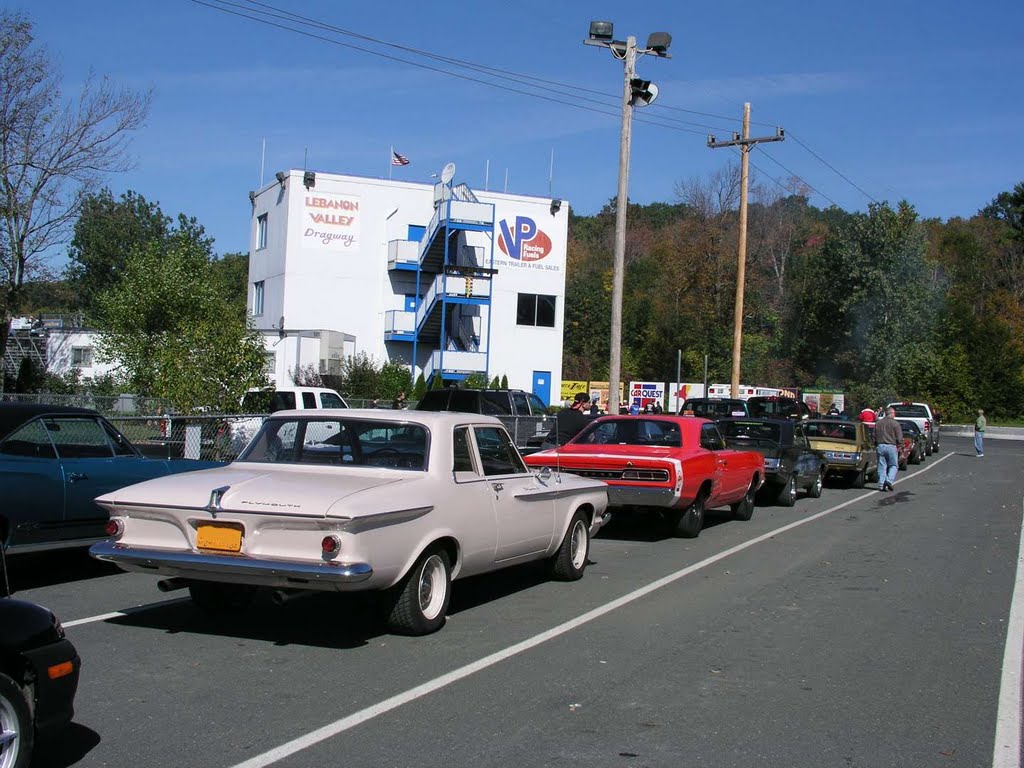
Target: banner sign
(330,222)
(642,393)
(571,388)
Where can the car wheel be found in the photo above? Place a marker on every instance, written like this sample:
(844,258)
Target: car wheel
(692,519)
(744,509)
(861,478)
(928,449)
(915,455)
(216,599)
(787,493)
(935,448)
(570,561)
(814,491)
(421,598)
(16,730)
(902,465)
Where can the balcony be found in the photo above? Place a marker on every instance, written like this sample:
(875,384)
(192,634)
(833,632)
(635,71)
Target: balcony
(454,365)
(403,254)
(399,325)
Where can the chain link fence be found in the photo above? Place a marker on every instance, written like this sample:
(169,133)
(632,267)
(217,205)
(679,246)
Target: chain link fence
(222,437)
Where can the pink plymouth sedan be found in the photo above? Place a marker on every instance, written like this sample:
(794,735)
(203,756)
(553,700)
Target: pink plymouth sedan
(398,502)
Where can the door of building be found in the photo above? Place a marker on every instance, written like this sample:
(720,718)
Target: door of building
(542,385)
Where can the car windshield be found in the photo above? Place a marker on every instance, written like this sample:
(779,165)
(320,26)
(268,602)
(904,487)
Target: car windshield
(910,411)
(832,430)
(755,431)
(773,407)
(340,442)
(631,431)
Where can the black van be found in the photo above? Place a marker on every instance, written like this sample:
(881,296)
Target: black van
(714,407)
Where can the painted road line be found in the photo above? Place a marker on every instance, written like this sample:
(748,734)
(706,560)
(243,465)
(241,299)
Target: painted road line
(1006,752)
(347,723)
(125,612)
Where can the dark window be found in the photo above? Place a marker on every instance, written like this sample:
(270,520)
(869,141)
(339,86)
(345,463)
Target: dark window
(711,438)
(331,400)
(309,399)
(521,403)
(79,438)
(495,404)
(538,405)
(535,309)
(31,440)
(497,454)
(462,457)
(463,401)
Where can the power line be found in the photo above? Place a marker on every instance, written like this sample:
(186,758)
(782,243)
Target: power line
(833,168)
(800,178)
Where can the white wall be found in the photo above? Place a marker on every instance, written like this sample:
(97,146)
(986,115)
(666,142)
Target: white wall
(60,346)
(344,284)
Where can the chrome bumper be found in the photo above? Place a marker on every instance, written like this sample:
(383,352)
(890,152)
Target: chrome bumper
(238,568)
(646,497)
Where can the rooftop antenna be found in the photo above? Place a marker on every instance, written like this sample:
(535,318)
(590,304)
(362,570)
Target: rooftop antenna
(506,181)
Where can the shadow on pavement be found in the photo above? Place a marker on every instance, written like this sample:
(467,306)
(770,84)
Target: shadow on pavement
(64,748)
(45,569)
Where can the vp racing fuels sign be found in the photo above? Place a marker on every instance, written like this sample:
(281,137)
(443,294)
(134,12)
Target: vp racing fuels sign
(523,241)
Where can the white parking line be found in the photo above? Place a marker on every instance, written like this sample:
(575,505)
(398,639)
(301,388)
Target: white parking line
(382,707)
(1006,752)
(125,612)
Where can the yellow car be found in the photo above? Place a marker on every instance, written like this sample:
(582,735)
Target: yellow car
(848,448)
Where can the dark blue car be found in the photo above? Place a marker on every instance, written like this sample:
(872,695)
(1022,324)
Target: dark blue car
(54,460)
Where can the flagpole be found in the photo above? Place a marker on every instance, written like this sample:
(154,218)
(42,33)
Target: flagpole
(487,175)
(391,164)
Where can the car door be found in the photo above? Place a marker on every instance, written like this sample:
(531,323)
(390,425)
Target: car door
(808,462)
(95,459)
(728,481)
(33,486)
(524,508)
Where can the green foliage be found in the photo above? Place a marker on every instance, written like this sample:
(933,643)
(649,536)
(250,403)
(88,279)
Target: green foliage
(30,376)
(476,381)
(167,324)
(504,382)
(420,389)
(394,377)
(361,374)
(495,383)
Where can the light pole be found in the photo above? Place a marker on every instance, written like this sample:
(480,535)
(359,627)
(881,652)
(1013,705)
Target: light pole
(635,92)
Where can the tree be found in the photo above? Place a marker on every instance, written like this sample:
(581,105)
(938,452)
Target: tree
(171,330)
(52,151)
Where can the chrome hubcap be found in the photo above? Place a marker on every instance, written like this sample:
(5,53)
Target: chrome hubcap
(578,544)
(432,586)
(10,744)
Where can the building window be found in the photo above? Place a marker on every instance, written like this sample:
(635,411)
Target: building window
(81,357)
(270,363)
(261,231)
(536,309)
(257,298)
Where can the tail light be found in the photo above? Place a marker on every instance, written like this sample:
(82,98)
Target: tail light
(331,545)
(163,427)
(115,527)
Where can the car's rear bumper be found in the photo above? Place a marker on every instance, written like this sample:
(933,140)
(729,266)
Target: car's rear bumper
(236,568)
(624,496)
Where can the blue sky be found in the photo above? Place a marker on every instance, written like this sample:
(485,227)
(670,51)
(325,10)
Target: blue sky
(908,100)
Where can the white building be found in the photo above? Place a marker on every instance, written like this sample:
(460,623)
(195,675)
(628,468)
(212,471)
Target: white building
(452,280)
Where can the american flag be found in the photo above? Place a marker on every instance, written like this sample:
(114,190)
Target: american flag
(397,159)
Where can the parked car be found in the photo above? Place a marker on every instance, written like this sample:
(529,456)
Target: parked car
(54,460)
(39,670)
(399,502)
(848,448)
(714,407)
(914,442)
(678,465)
(777,407)
(926,418)
(523,413)
(790,464)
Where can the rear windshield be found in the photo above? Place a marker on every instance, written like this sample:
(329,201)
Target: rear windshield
(340,442)
(631,431)
(831,430)
(714,409)
(911,411)
(749,430)
(909,427)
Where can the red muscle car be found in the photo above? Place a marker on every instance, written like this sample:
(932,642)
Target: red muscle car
(678,465)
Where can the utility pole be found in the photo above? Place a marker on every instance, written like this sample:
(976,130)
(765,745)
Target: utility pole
(745,143)
(635,92)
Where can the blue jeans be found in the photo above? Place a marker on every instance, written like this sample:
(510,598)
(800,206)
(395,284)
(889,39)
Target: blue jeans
(888,463)
(978,448)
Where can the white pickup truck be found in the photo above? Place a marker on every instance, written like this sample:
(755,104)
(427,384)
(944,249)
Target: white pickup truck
(267,401)
(926,419)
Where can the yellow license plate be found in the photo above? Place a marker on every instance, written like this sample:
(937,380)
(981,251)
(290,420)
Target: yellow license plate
(219,537)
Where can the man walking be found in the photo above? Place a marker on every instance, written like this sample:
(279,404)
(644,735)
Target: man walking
(888,434)
(979,433)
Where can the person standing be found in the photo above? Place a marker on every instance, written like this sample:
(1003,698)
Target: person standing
(867,415)
(888,435)
(979,434)
(568,422)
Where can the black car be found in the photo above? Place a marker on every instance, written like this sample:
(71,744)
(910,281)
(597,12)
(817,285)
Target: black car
(38,675)
(714,407)
(523,413)
(789,462)
(920,444)
(778,407)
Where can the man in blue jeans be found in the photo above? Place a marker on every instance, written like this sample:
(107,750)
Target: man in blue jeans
(888,435)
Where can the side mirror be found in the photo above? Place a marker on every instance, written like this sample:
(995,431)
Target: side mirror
(544,473)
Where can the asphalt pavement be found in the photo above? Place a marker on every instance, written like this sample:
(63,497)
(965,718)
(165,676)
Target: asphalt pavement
(859,629)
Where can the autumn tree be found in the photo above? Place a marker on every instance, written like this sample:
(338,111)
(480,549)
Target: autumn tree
(52,151)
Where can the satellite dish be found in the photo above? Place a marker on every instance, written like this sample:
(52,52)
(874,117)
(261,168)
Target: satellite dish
(448,173)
